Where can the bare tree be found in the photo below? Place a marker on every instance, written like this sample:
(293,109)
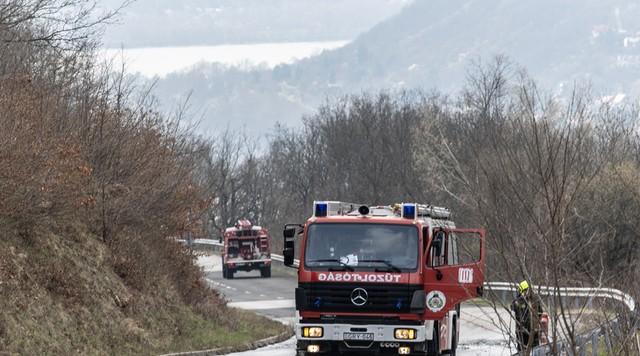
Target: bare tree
(520,163)
(62,24)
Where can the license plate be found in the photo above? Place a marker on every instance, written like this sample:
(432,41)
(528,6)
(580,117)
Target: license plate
(358,336)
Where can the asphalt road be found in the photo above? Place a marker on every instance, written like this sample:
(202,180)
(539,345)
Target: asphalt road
(274,298)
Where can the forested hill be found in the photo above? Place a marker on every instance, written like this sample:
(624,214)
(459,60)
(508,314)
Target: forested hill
(433,44)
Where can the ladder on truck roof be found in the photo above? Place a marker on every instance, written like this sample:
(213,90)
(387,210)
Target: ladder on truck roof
(435,212)
(407,210)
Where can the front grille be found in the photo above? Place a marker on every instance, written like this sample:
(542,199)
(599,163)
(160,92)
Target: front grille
(336,297)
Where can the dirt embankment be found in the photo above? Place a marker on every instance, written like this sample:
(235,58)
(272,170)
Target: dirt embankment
(60,294)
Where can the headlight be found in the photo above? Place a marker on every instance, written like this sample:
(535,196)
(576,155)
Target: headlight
(312,331)
(405,334)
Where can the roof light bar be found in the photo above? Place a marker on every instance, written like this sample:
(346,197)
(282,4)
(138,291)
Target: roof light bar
(332,208)
(409,211)
(321,209)
(405,210)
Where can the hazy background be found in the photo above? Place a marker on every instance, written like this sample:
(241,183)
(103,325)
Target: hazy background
(151,23)
(259,62)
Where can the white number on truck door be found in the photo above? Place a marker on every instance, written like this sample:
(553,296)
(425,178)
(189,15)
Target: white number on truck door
(465,275)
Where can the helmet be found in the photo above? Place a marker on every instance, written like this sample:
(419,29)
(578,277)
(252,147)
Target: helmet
(523,286)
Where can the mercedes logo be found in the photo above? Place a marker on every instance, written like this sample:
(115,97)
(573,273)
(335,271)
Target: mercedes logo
(359,297)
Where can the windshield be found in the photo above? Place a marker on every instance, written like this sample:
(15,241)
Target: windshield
(362,246)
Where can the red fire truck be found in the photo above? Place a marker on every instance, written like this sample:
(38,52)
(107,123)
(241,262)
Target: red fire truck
(246,248)
(382,279)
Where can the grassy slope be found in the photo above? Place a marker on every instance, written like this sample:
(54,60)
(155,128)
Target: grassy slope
(59,295)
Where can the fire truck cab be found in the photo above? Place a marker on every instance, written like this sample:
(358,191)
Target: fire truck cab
(381,280)
(246,248)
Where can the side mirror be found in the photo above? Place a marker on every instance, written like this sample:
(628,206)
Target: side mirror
(288,252)
(289,232)
(288,256)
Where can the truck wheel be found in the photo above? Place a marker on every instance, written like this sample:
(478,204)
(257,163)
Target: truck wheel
(433,346)
(265,272)
(454,338)
(230,273)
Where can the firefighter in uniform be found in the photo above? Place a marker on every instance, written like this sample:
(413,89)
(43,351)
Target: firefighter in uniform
(527,309)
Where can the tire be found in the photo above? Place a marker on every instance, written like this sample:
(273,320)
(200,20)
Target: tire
(230,273)
(433,346)
(265,272)
(454,337)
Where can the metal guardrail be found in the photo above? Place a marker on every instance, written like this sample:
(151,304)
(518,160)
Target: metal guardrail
(609,293)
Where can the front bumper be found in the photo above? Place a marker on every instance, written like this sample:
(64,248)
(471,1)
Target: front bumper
(381,333)
(247,265)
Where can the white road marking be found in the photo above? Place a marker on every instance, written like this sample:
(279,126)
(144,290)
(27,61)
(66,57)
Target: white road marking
(211,281)
(264,304)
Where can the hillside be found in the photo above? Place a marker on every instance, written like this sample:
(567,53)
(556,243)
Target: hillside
(432,44)
(61,295)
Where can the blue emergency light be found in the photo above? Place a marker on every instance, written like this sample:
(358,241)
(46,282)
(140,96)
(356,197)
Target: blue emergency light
(321,209)
(409,211)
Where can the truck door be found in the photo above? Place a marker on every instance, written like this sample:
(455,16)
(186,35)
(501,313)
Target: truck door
(454,270)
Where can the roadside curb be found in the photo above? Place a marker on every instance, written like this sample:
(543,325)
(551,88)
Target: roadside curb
(246,347)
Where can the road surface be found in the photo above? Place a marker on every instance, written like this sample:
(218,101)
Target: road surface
(274,298)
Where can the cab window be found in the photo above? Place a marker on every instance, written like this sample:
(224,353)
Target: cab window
(454,248)
(444,249)
(437,251)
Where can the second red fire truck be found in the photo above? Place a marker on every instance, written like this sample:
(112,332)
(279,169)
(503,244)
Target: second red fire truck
(246,248)
(382,279)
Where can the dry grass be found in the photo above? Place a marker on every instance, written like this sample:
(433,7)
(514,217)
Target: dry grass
(62,296)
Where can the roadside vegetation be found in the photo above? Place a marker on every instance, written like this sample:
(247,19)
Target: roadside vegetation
(94,187)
